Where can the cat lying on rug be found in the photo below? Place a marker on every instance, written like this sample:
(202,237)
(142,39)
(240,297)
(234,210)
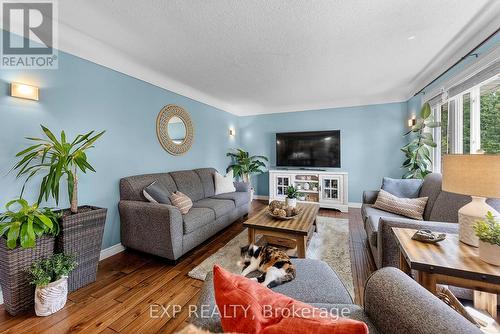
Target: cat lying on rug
(273,263)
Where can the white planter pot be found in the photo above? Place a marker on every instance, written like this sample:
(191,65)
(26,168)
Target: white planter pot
(489,253)
(291,202)
(51,298)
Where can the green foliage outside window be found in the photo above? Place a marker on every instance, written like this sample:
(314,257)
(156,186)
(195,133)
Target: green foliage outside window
(490,121)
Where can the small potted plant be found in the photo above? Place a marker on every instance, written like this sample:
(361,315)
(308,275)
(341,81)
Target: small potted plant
(50,276)
(82,227)
(291,196)
(488,232)
(28,235)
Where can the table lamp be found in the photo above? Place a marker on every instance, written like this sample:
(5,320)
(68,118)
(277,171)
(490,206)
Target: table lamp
(476,175)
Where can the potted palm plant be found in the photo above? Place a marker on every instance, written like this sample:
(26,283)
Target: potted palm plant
(488,232)
(28,235)
(82,227)
(50,276)
(291,196)
(244,165)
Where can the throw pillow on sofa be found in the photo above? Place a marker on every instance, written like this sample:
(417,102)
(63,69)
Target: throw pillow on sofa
(248,307)
(181,202)
(408,207)
(224,184)
(157,193)
(405,188)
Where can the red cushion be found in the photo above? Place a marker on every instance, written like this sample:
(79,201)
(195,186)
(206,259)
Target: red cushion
(246,306)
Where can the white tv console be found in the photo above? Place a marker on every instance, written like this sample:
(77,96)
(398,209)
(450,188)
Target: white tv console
(327,188)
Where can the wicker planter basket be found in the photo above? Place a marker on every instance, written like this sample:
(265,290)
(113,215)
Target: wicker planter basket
(81,236)
(18,294)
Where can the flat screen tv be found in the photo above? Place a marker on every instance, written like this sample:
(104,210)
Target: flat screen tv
(308,149)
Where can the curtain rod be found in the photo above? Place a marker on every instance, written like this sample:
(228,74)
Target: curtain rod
(470,53)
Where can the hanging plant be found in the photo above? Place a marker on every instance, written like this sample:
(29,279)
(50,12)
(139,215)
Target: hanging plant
(418,161)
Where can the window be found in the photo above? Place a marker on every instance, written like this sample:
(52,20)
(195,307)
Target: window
(466,106)
(490,116)
(470,122)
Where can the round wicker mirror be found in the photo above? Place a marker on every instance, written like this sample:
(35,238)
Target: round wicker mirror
(174,129)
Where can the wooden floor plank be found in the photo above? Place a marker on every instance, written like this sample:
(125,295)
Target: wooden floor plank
(129,282)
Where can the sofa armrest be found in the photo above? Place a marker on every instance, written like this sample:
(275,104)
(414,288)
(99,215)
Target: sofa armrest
(370,196)
(152,228)
(387,247)
(395,303)
(242,187)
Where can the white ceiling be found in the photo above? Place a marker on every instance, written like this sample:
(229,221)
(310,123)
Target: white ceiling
(252,57)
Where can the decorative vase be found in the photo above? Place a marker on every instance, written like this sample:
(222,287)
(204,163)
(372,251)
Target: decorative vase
(17,292)
(468,215)
(298,187)
(81,236)
(251,194)
(489,253)
(306,186)
(51,298)
(291,202)
(315,188)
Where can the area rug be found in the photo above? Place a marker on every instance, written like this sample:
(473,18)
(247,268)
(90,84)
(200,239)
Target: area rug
(330,243)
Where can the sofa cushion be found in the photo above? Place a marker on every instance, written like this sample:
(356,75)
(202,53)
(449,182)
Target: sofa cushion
(207,180)
(196,218)
(265,311)
(431,188)
(221,207)
(131,187)
(157,193)
(371,211)
(189,183)
(407,188)
(182,202)
(239,198)
(408,207)
(224,184)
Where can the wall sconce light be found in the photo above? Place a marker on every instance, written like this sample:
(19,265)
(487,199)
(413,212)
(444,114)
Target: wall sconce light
(232,132)
(412,122)
(24,91)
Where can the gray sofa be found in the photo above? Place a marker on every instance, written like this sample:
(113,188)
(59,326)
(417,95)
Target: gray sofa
(393,302)
(161,229)
(440,215)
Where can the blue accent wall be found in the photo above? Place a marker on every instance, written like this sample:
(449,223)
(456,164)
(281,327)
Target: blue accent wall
(371,137)
(81,96)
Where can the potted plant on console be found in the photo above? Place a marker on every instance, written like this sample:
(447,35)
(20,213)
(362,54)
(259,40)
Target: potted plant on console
(488,232)
(50,276)
(291,196)
(28,235)
(82,227)
(245,165)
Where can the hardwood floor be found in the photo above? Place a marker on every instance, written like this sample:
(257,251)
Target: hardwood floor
(129,282)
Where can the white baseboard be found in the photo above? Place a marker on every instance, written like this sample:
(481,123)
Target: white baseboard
(110,251)
(261,197)
(355,205)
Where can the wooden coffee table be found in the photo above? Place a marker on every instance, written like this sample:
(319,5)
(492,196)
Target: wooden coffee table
(299,229)
(450,262)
